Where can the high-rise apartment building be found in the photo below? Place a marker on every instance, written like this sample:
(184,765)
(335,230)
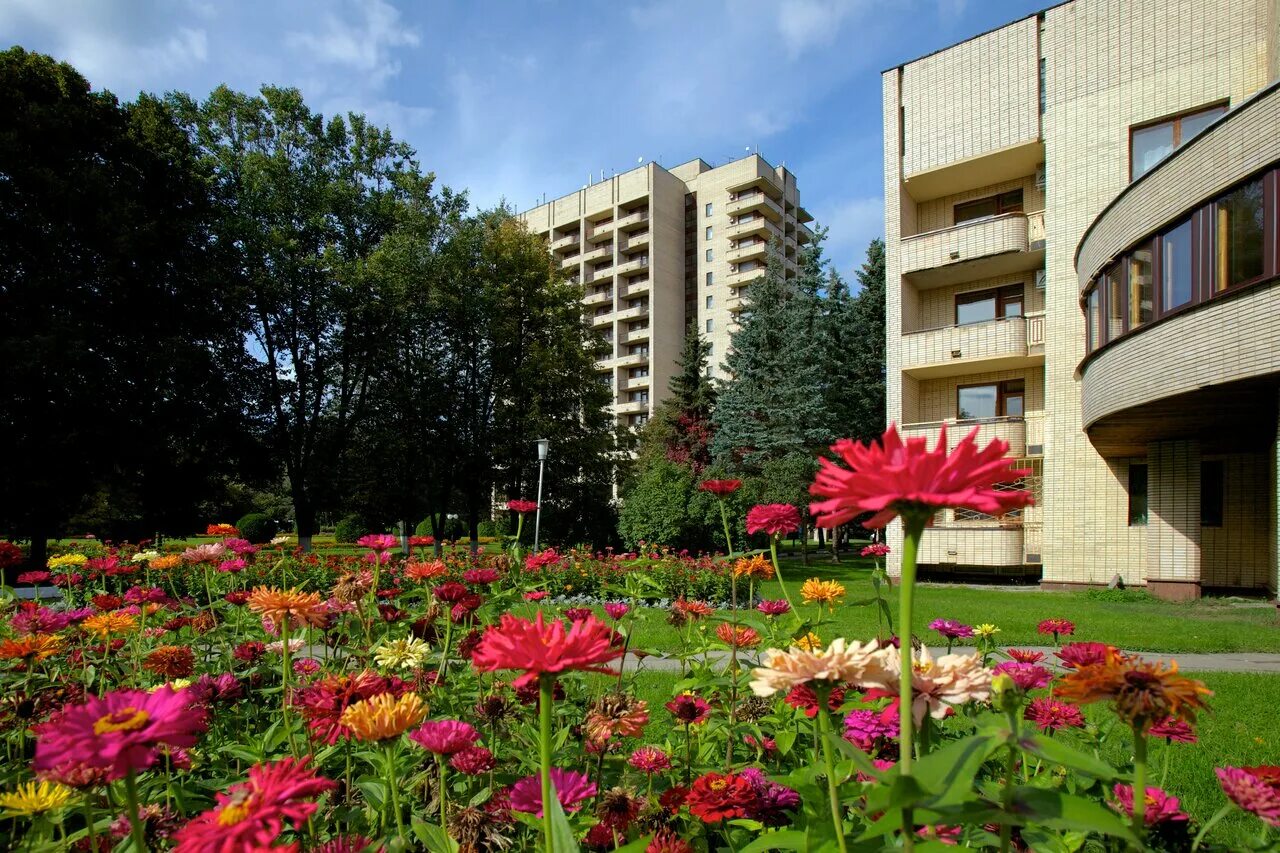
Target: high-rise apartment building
(657,250)
(1083,258)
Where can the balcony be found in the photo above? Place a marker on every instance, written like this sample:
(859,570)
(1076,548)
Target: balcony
(600,231)
(631,360)
(983,248)
(636,384)
(974,347)
(736,304)
(759,227)
(992,544)
(751,251)
(570,262)
(742,279)
(804,234)
(601,298)
(632,408)
(632,220)
(634,336)
(635,287)
(756,202)
(598,253)
(638,240)
(566,242)
(632,313)
(1012,430)
(600,320)
(632,266)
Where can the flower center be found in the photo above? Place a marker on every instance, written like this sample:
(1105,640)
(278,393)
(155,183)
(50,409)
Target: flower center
(125,720)
(236,810)
(719,785)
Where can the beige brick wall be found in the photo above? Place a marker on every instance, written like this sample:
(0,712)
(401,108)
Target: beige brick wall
(936,307)
(940,212)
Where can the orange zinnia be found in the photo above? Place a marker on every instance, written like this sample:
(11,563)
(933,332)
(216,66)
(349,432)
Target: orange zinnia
(383,716)
(755,567)
(299,608)
(1140,692)
(106,624)
(168,561)
(35,646)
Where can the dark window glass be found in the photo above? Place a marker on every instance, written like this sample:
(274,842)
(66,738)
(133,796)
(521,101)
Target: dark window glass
(981,306)
(1093,318)
(1137,494)
(1190,126)
(1210,494)
(1009,202)
(1141,306)
(1115,303)
(1013,398)
(1239,236)
(977,401)
(1175,263)
(1151,144)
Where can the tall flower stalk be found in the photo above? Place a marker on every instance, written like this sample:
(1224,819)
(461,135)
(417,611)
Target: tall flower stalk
(546,695)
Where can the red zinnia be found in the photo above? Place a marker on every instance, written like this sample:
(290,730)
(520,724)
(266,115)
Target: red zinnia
(1051,714)
(571,789)
(1025,655)
(1173,730)
(322,704)
(1076,655)
(251,814)
(773,519)
(1028,676)
(540,647)
(522,506)
(720,796)
(689,709)
(1056,627)
(720,488)
(889,477)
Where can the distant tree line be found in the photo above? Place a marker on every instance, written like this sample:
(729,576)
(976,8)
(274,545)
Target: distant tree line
(805,366)
(211,307)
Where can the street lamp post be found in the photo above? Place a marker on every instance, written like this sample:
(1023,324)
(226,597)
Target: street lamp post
(543,446)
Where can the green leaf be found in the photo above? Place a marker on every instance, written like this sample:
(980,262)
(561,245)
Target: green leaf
(1037,806)
(785,738)
(374,790)
(1058,752)
(790,839)
(950,771)
(561,833)
(435,839)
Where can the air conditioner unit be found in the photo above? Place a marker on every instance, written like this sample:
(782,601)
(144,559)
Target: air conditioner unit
(1040,180)
(1040,279)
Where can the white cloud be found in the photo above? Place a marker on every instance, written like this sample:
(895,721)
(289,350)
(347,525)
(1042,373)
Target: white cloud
(364,44)
(808,23)
(854,223)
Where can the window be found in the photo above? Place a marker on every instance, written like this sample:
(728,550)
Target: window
(709,324)
(1140,304)
(993,400)
(1115,302)
(638,372)
(1239,236)
(710,278)
(710,301)
(1210,494)
(710,349)
(1137,494)
(709,256)
(1175,263)
(641,349)
(1093,318)
(1151,143)
(638,396)
(709,208)
(709,232)
(981,306)
(984,208)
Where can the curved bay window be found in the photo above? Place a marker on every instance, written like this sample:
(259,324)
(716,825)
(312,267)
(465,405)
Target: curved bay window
(1225,244)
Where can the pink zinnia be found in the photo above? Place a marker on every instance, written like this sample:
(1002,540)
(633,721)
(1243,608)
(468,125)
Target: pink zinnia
(689,709)
(650,759)
(1057,627)
(473,761)
(211,552)
(951,629)
(577,614)
(536,595)
(34,577)
(1173,730)
(1025,655)
(251,814)
(1254,789)
(571,789)
(1028,676)
(232,566)
(1161,807)
(616,610)
(773,607)
(863,728)
(377,541)
(522,506)
(773,519)
(539,647)
(444,737)
(889,478)
(1051,714)
(480,576)
(720,488)
(876,549)
(121,732)
(1076,655)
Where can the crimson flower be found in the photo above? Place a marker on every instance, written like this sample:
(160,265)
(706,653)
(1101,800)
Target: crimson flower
(577,614)
(615,610)
(689,709)
(773,519)
(377,541)
(890,478)
(1025,655)
(720,488)
(322,703)
(480,576)
(445,737)
(119,733)
(1173,730)
(1051,714)
(1254,789)
(1076,655)
(522,506)
(1028,676)
(951,629)
(1161,807)
(865,728)
(773,607)
(721,796)
(250,815)
(876,549)
(571,789)
(472,761)
(539,647)
(650,759)
(1057,627)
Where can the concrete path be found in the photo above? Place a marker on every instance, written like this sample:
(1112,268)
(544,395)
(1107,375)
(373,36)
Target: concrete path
(1187,661)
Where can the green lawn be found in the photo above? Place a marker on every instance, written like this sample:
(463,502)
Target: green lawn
(1233,732)
(1149,625)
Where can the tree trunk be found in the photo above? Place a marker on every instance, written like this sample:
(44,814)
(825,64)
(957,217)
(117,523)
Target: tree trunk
(304,516)
(37,557)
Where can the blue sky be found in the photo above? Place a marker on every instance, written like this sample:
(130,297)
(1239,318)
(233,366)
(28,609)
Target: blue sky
(516,99)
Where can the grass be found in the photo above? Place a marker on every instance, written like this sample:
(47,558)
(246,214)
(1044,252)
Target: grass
(1143,624)
(1229,734)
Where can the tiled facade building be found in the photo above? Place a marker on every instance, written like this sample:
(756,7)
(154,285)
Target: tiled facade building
(658,249)
(1083,258)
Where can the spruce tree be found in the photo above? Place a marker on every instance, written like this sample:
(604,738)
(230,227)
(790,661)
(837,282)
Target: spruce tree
(861,404)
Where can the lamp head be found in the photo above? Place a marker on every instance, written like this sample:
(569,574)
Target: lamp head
(544,445)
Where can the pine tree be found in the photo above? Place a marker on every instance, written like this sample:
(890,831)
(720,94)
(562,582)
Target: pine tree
(685,417)
(861,406)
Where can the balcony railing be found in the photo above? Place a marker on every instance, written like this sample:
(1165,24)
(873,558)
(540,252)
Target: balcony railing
(741,279)
(632,219)
(635,287)
(638,240)
(598,252)
(1035,330)
(632,360)
(630,266)
(632,313)
(759,226)
(1012,430)
(952,350)
(968,242)
(746,252)
(598,298)
(755,201)
(566,241)
(630,407)
(600,231)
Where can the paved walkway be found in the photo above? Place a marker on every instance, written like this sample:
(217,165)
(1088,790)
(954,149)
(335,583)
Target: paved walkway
(1187,661)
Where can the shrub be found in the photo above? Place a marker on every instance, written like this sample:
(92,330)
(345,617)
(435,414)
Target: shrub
(1119,595)
(491,530)
(256,527)
(351,528)
(423,528)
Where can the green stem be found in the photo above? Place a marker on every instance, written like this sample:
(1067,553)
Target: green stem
(824,728)
(443,794)
(906,722)
(1139,782)
(724,519)
(777,570)
(1006,799)
(284,684)
(135,821)
(1208,825)
(87,804)
(395,789)
(545,698)
(444,651)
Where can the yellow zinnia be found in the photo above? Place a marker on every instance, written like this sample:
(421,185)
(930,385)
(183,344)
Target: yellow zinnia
(810,642)
(106,624)
(817,591)
(405,653)
(35,798)
(384,716)
(64,560)
(986,630)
